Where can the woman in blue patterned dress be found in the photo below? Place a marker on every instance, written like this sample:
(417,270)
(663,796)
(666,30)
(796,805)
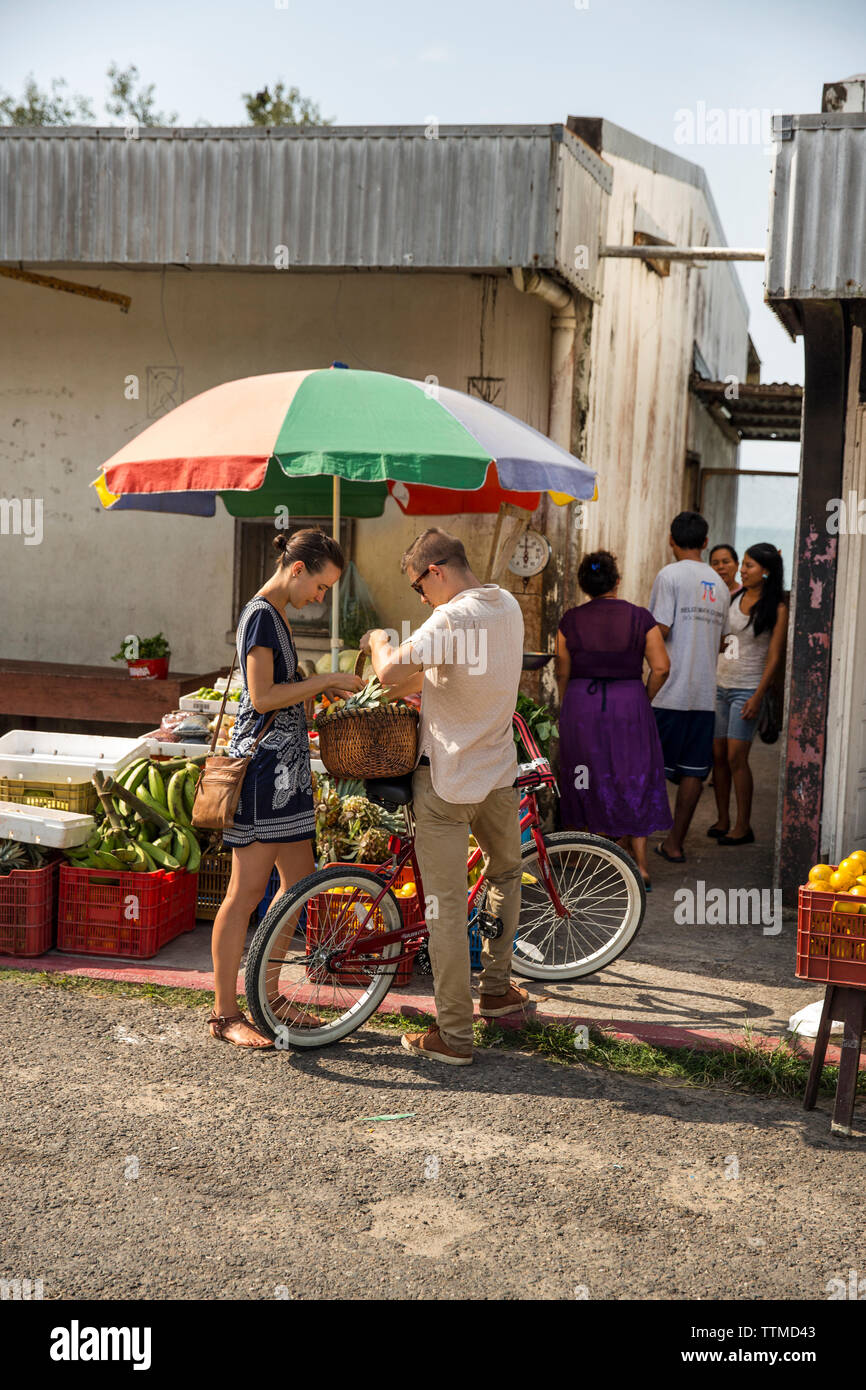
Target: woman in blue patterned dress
(274,822)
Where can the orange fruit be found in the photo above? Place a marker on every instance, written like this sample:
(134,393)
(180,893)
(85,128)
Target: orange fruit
(840,906)
(850,866)
(858,891)
(819,873)
(840,882)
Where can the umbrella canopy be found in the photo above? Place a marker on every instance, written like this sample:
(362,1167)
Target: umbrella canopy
(266,441)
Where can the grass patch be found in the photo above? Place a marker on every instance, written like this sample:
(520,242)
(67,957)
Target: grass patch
(752,1067)
(81,984)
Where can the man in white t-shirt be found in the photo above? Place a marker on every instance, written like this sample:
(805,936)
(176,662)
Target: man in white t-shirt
(466,661)
(690,604)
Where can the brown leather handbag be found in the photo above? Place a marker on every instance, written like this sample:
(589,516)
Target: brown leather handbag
(219,787)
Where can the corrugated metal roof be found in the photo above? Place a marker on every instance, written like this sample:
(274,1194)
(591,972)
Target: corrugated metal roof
(817,234)
(759,410)
(475,198)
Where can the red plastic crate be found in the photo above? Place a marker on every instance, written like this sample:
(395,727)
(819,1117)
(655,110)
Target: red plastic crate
(831,944)
(410,913)
(96,917)
(183,917)
(28,900)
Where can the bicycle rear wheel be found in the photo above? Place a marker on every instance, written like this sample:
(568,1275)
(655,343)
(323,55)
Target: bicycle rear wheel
(604,898)
(295,995)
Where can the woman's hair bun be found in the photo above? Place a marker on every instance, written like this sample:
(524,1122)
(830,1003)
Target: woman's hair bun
(280,542)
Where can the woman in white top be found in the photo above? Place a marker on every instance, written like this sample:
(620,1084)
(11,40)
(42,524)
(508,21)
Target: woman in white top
(752,648)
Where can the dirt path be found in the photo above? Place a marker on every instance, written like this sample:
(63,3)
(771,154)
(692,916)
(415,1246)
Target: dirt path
(517,1177)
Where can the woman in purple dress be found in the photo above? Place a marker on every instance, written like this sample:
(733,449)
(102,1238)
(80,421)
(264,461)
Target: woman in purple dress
(611,779)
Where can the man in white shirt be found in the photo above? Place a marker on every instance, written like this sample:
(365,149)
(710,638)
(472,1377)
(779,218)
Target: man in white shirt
(466,661)
(690,604)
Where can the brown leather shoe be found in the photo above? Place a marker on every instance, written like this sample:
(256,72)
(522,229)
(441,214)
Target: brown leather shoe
(430,1044)
(515,1001)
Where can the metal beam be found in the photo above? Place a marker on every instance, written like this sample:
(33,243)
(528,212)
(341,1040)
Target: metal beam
(683,253)
(52,282)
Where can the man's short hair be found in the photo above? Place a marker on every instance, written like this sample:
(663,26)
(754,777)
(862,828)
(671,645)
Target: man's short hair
(689,531)
(434,547)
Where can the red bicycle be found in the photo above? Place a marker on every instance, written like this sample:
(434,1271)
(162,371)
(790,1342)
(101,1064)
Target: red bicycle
(329,950)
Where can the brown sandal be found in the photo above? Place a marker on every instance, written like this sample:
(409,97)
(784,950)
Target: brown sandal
(221,1022)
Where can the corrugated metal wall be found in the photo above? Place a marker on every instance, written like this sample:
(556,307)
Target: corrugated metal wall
(817,236)
(473,198)
(640,421)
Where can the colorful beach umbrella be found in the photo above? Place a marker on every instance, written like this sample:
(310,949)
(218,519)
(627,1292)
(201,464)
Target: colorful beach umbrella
(323,441)
(279,440)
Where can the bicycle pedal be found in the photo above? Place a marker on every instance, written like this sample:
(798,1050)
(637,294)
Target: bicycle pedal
(490,926)
(423,963)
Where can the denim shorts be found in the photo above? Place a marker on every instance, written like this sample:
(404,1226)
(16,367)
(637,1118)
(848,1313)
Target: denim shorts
(729,714)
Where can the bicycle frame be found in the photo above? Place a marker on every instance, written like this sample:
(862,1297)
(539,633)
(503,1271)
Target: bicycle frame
(532,776)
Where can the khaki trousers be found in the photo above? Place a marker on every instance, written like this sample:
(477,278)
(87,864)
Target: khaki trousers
(442,845)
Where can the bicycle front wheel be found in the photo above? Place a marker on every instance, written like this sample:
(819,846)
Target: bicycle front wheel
(604,899)
(296,993)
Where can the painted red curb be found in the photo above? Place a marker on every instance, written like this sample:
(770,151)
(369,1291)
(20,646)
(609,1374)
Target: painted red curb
(655,1034)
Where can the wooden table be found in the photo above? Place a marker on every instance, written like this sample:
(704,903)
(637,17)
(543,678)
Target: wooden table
(100,694)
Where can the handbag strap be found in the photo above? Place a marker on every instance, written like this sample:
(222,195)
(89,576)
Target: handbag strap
(218,724)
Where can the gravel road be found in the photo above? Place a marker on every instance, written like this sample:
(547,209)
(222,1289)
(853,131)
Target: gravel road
(138,1158)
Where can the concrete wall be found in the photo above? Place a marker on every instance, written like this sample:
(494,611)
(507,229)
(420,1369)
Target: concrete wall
(642,419)
(63,362)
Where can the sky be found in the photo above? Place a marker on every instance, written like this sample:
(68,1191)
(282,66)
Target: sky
(639,63)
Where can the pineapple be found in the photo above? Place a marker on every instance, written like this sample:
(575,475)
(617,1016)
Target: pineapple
(357,814)
(373,846)
(13,855)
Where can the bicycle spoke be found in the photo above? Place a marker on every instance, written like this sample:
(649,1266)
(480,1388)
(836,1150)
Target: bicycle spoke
(600,898)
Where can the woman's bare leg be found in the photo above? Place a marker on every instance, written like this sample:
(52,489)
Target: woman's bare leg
(294,861)
(638,854)
(738,758)
(251,869)
(722,784)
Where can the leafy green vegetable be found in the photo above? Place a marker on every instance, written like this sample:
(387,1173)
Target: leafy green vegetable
(540,720)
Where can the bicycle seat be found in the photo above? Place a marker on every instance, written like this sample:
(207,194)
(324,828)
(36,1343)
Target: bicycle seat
(389,791)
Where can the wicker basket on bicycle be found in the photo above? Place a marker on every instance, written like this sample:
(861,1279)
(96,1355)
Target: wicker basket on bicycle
(378,742)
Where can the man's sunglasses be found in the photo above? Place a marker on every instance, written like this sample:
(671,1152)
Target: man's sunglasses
(421,577)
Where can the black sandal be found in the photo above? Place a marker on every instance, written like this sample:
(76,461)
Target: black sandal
(663,854)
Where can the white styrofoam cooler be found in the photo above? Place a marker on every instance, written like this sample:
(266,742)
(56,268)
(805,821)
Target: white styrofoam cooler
(167,749)
(37,825)
(30,756)
(213,706)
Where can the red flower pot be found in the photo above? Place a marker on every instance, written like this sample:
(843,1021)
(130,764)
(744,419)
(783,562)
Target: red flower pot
(149,668)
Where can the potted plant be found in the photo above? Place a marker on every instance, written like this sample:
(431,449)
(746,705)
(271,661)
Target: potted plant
(146,657)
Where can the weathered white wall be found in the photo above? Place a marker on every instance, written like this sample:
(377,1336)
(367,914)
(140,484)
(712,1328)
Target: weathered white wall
(641,355)
(63,361)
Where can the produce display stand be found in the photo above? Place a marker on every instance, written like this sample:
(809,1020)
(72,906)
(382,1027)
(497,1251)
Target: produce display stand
(97,694)
(831,948)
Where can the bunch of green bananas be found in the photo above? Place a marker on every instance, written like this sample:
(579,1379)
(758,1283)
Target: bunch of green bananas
(165,787)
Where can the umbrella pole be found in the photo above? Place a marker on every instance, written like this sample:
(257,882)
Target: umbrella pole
(335,590)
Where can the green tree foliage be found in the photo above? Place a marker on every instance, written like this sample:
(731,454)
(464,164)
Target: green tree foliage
(130,98)
(282,107)
(44,108)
